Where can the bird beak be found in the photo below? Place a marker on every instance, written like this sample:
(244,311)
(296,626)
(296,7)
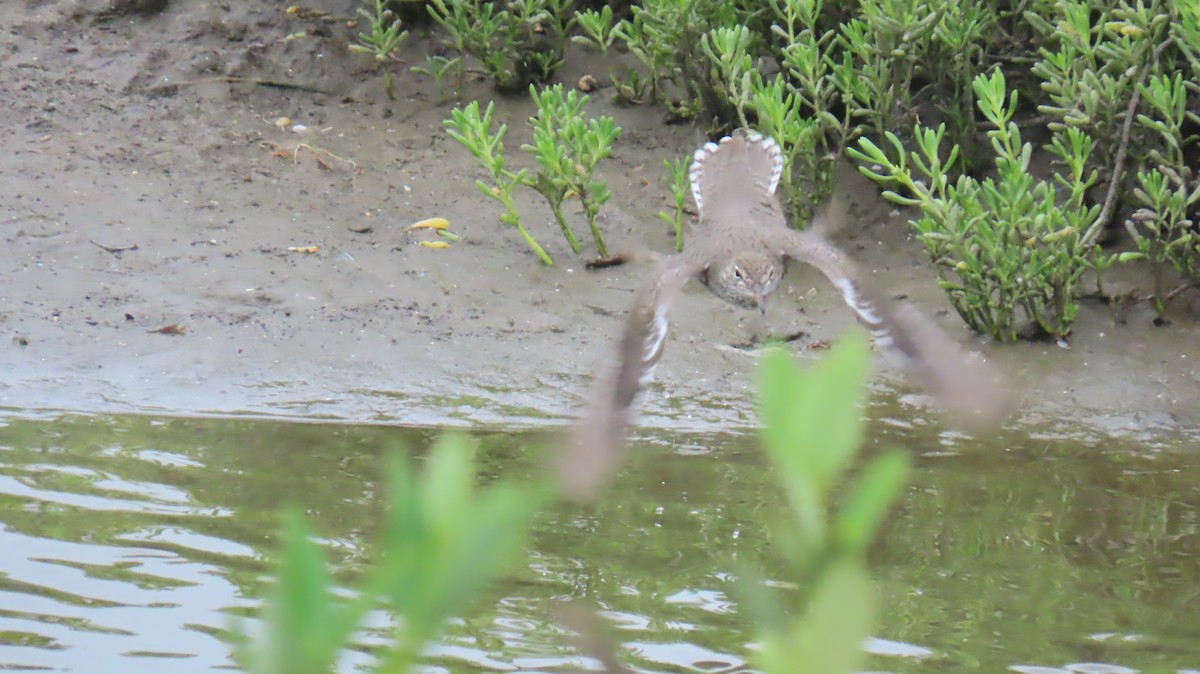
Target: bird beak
(760,299)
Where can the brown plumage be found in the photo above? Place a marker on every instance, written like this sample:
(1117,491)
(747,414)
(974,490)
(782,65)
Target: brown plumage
(740,251)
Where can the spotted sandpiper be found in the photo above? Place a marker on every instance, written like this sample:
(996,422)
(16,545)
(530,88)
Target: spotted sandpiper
(740,250)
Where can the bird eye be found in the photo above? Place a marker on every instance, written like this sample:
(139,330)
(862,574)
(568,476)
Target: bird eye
(738,274)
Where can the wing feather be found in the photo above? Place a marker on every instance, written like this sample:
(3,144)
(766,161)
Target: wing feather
(597,439)
(968,388)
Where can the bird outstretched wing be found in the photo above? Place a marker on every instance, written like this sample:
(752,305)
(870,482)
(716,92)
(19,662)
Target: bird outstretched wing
(968,389)
(597,439)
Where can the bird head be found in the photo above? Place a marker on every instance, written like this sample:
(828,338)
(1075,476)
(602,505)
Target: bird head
(747,279)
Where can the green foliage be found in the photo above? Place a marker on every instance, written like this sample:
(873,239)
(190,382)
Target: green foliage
(305,629)
(436,67)
(1091,61)
(1002,244)
(881,53)
(838,79)
(567,149)
(1170,190)
(679,184)
(800,108)
(728,49)
(444,542)
(1116,85)
(1095,66)
(965,38)
(597,27)
(665,36)
(385,37)
(600,33)
(475,133)
(837,83)
(519,43)
(812,431)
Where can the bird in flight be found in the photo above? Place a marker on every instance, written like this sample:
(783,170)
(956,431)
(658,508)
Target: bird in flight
(740,250)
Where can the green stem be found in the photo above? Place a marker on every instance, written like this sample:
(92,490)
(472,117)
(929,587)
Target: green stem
(556,208)
(533,245)
(513,219)
(590,210)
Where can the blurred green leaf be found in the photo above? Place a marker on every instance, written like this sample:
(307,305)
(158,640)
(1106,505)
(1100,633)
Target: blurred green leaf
(871,499)
(302,635)
(811,425)
(828,639)
(490,541)
(447,485)
(406,538)
(758,601)
(446,541)
(811,417)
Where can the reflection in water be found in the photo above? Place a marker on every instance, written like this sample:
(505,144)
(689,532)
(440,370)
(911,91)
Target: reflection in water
(131,544)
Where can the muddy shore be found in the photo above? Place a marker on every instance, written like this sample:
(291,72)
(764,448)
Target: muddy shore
(143,190)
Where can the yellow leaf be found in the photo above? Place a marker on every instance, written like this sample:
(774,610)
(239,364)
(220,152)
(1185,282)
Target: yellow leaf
(1060,234)
(429,223)
(1124,29)
(435,244)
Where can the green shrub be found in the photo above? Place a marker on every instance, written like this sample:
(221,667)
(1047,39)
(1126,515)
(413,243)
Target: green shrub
(385,37)
(1165,228)
(567,149)
(1116,85)
(812,431)
(1168,189)
(518,42)
(665,37)
(680,185)
(1002,245)
(474,131)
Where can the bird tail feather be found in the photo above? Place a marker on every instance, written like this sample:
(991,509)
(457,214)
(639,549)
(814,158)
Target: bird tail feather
(744,156)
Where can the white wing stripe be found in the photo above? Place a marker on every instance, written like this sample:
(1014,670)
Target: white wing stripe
(865,310)
(656,338)
(696,172)
(694,176)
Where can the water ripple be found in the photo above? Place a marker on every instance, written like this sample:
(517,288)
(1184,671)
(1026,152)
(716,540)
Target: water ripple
(130,544)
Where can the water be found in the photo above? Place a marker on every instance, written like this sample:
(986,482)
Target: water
(130,544)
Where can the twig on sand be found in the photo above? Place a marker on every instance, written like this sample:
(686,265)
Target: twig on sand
(114,249)
(623,257)
(159,88)
(280,151)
